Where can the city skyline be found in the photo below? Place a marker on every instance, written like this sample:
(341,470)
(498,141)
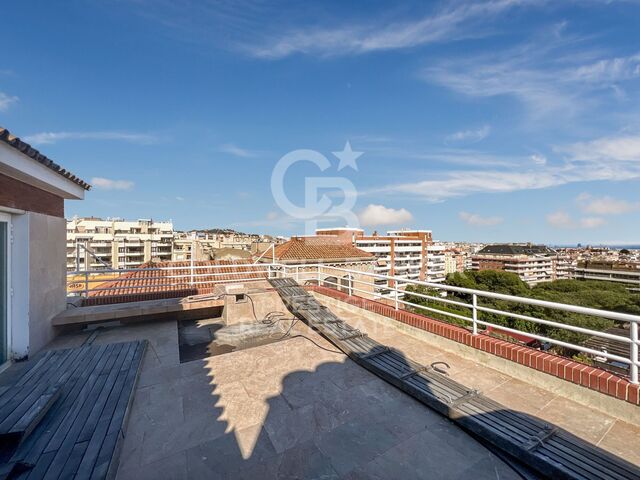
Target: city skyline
(496,121)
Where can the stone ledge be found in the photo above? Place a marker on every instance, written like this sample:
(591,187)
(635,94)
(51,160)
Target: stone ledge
(577,373)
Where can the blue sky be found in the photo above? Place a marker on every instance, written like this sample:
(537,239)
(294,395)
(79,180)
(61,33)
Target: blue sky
(501,120)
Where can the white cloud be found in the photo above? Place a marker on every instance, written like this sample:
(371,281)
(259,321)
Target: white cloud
(538,159)
(108,184)
(374,215)
(180,199)
(236,151)
(451,23)
(592,222)
(606,159)
(609,70)
(54,137)
(550,74)
(605,205)
(6,101)
(476,220)
(562,219)
(470,136)
(622,148)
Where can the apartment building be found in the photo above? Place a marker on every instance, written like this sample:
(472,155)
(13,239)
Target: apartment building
(94,243)
(532,263)
(455,261)
(621,272)
(409,254)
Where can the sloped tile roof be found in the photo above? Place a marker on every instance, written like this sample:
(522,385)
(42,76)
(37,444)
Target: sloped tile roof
(29,151)
(319,248)
(149,280)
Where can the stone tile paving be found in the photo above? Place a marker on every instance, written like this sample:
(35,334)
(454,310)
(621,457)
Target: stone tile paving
(294,410)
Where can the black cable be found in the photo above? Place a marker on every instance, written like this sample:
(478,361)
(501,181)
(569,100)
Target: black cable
(317,345)
(253,307)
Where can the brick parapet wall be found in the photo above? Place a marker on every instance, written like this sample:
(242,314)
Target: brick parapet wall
(578,373)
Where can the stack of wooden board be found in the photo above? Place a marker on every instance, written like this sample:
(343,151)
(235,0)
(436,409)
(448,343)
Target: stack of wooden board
(72,407)
(550,451)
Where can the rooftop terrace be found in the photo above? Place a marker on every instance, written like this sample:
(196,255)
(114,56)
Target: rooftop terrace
(215,399)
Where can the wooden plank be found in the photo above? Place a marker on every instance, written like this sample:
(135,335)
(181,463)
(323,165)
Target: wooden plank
(16,408)
(93,405)
(87,416)
(119,420)
(25,425)
(62,411)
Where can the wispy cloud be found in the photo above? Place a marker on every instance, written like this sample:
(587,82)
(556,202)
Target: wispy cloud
(605,159)
(54,137)
(538,159)
(562,219)
(552,73)
(6,101)
(374,215)
(605,205)
(469,136)
(102,183)
(476,220)
(451,23)
(236,151)
(559,219)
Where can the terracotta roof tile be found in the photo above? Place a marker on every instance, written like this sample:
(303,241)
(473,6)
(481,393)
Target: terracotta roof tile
(29,151)
(148,281)
(319,248)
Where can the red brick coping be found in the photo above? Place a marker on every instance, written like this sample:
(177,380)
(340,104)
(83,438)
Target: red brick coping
(578,373)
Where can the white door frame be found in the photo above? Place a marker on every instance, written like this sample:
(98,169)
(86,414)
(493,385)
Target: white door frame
(6,218)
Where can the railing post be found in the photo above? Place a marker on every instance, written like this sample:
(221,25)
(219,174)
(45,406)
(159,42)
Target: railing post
(319,276)
(475,314)
(350,280)
(86,283)
(297,274)
(634,352)
(396,297)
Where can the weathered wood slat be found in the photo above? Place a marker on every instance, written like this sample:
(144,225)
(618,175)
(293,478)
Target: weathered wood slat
(548,450)
(31,418)
(78,436)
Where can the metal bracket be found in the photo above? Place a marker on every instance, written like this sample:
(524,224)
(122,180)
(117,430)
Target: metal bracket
(356,334)
(413,372)
(539,438)
(464,398)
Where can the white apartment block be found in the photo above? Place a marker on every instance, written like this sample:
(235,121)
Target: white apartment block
(532,263)
(620,272)
(93,243)
(408,254)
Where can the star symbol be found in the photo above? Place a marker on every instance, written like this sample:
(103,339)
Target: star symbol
(347,157)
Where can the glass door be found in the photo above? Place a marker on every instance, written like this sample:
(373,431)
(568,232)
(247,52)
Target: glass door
(4,287)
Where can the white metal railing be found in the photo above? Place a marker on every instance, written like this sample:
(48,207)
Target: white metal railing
(368,285)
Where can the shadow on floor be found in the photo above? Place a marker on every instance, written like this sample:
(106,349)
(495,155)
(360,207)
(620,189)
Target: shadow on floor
(250,417)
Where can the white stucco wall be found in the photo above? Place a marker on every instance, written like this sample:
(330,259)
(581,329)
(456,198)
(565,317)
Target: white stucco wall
(47,282)
(38,280)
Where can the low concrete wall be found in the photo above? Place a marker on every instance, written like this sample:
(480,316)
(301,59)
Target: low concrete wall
(607,404)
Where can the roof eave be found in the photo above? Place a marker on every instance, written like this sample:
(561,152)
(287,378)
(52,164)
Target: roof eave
(15,164)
